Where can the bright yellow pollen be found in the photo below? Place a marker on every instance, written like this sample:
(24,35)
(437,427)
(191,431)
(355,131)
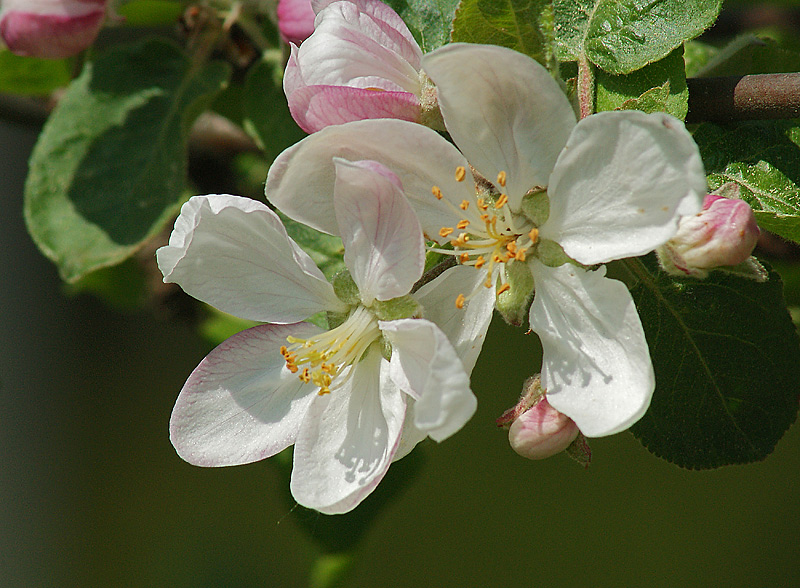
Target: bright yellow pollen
(501,179)
(501,202)
(460,241)
(534,235)
(511,247)
(445,231)
(462,224)
(480,262)
(463,258)
(464,205)
(436,191)
(461,173)
(482,204)
(520,255)
(504,288)
(305,376)
(460,299)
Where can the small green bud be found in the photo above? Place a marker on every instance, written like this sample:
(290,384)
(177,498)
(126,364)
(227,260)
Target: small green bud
(513,304)
(536,207)
(397,308)
(345,288)
(386,348)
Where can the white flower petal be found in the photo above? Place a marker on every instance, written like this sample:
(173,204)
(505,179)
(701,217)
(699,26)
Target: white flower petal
(234,254)
(504,111)
(596,366)
(383,245)
(348,439)
(466,327)
(425,365)
(410,436)
(300,181)
(241,404)
(621,184)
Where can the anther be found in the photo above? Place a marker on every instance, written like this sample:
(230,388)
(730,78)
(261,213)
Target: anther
(436,191)
(461,173)
(464,205)
(460,300)
(479,263)
(445,231)
(502,201)
(462,224)
(463,258)
(534,235)
(504,288)
(501,179)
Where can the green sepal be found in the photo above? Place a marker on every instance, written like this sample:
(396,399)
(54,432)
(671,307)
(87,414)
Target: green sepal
(551,253)
(513,304)
(397,308)
(536,207)
(345,288)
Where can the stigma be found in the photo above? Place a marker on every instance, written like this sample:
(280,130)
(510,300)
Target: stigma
(325,359)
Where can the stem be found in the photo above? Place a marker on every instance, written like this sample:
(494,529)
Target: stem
(752,97)
(585,88)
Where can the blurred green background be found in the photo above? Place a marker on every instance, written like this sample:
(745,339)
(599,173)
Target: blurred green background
(92,493)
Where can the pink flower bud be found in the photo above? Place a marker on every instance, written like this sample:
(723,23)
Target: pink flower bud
(722,234)
(295,20)
(542,431)
(50,28)
(361,62)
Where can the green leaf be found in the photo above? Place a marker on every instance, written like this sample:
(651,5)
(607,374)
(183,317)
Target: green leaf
(750,54)
(508,23)
(430,21)
(727,364)
(266,112)
(696,55)
(108,171)
(31,76)
(764,159)
(658,87)
(621,36)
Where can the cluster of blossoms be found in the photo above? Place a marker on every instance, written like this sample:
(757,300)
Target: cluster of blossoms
(530,202)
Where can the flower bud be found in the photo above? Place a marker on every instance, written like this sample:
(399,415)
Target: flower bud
(542,431)
(52,29)
(361,62)
(537,430)
(295,20)
(722,234)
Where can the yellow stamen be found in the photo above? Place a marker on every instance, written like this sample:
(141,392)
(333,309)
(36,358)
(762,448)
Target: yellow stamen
(460,300)
(502,201)
(479,263)
(462,224)
(501,179)
(464,205)
(436,191)
(482,204)
(461,173)
(463,258)
(520,255)
(504,288)
(445,231)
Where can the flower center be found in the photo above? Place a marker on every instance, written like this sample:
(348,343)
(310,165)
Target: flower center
(324,359)
(489,236)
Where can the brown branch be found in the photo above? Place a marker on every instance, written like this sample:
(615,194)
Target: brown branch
(753,97)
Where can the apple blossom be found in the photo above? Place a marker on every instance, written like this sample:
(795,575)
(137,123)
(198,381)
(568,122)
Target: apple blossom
(723,234)
(52,29)
(351,399)
(295,20)
(535,199)
(361,62)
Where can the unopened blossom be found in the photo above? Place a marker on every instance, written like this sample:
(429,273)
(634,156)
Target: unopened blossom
(51,29)
(295,20)
(361,62)
(536,430)
(723,234)
(533,199)
(351,399)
